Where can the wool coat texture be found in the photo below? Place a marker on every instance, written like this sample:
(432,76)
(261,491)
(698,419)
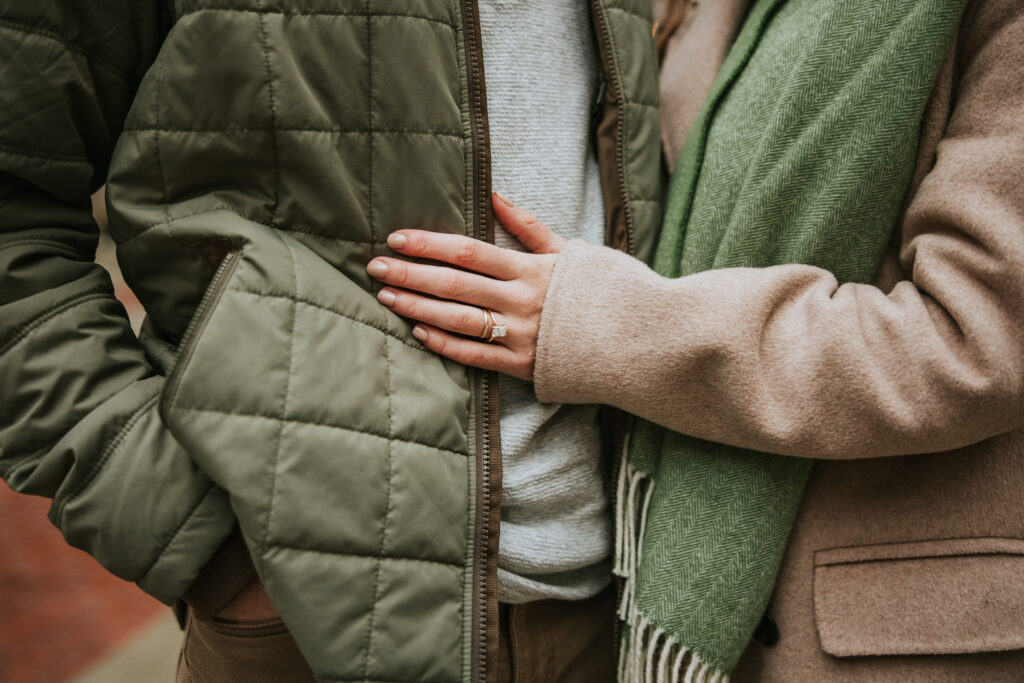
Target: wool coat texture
(907,559)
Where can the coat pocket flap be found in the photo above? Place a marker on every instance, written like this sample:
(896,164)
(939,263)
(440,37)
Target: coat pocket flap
(932,597)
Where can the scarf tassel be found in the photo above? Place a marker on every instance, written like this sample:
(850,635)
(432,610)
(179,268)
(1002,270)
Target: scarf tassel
(648,654)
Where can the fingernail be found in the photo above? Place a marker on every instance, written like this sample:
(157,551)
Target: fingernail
(420,333)
(504,200)
(377,268)
(396,240)
(386,297)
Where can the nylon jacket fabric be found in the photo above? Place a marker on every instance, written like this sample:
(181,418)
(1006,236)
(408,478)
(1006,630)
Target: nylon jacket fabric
(259,153)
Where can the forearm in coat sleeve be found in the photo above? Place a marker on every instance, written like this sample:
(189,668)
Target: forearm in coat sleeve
(783,359)
(78,397)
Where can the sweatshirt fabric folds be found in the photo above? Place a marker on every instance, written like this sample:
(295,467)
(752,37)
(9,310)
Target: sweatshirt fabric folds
(555,539)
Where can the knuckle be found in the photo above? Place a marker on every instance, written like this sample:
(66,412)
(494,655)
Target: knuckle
(455,286)
(398,272)
(464,320)
(437,342)
(416,243)
(466,251)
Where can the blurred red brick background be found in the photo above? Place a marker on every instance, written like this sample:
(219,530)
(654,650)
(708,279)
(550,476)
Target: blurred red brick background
(60,610)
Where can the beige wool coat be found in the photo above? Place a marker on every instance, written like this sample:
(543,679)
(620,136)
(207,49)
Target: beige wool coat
(907,559)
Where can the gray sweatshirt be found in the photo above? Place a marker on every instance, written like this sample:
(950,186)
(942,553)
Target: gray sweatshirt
(541,70)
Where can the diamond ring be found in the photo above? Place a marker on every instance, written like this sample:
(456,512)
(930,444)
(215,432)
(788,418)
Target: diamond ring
(492,330)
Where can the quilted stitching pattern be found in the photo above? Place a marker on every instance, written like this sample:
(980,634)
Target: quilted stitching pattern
(349,457)
(630,24)
(367,426)
(396,488)
(78,420)
(294,134)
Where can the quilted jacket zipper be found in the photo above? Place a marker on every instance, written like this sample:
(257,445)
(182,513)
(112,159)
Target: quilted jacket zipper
(484,650)
(613,81)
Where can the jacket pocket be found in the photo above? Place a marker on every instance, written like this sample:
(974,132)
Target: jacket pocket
(953,596)
(250,651)
(248,629)
(195,327)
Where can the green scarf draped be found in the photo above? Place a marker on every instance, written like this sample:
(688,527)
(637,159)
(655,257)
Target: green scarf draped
(803,153)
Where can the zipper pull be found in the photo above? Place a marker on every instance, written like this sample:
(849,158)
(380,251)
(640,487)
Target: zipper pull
(597,108)
(598,105)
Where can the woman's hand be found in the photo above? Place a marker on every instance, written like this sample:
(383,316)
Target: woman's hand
(452,320)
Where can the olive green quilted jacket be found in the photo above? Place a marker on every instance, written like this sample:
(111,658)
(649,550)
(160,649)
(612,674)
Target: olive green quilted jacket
(256,154)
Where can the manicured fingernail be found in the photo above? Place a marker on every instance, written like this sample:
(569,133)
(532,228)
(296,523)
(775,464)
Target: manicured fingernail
(504,200)
(377,268)
(386,297)
(420,333)
(396,240)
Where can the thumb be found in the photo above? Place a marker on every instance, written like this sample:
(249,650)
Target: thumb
(526,227)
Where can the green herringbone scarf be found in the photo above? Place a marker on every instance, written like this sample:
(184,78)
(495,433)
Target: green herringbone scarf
(803,153)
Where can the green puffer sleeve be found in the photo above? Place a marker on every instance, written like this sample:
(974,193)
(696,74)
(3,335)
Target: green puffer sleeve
(78,397)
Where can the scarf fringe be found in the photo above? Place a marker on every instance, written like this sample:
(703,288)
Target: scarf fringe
(648,654)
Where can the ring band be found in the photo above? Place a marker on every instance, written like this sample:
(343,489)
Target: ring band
(488,324)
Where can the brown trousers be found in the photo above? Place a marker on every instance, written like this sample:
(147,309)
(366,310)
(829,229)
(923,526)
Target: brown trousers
(549,641)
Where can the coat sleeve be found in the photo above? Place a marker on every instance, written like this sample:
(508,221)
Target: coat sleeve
(784,359)
(78,397)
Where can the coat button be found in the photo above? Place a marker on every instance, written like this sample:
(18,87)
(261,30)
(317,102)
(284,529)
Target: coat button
(767,632)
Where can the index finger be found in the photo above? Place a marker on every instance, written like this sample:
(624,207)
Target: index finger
(457,250)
